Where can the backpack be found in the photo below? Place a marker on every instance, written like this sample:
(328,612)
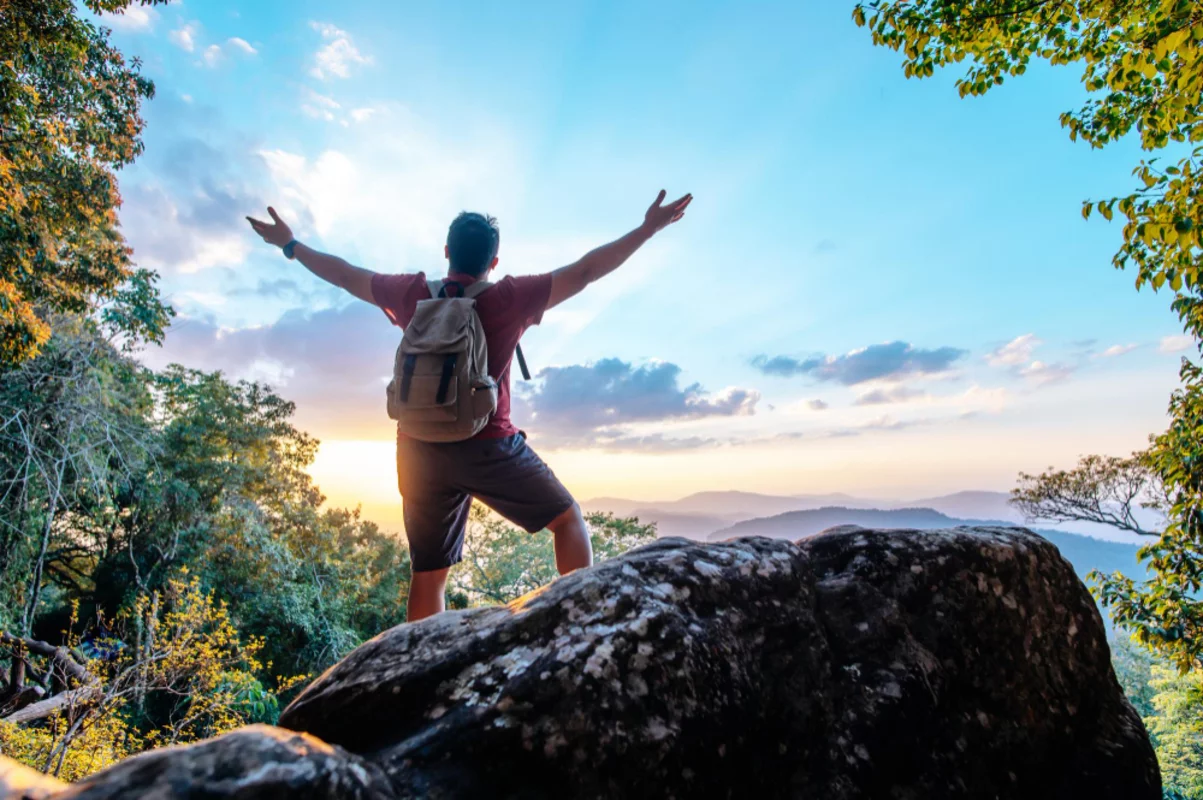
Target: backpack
(441,390)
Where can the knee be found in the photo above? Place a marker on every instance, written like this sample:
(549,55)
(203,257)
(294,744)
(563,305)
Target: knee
(568,517)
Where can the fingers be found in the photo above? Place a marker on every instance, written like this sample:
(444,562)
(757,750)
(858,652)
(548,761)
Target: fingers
(258,225)
(660,198)
(275,216)
(680,203)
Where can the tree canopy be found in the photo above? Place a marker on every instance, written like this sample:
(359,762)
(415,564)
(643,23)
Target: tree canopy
(69,118)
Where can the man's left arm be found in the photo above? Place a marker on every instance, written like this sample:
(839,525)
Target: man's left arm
(332,269)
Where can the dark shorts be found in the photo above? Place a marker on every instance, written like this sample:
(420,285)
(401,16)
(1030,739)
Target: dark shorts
(438,482)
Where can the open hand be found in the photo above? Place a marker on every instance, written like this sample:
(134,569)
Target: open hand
(660,215)
(276,232)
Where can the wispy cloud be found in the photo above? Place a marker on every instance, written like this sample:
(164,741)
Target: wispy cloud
(817,405)
(337,55)
(890,361)
(888,395)
(1043,374)
(319,106)
(1119,350)
(1015,352)
(134,19)
(242,45)
(1016,357)
(184,37)
(1175,344)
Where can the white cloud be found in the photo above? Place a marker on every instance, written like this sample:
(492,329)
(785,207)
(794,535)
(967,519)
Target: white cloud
(1118,350)
(212,55)
(1175,344)
(363,114)
(319,106)
(241,44)
(389,191)
(1015,352)
(135,19)
(175,235)
(185,37)
(338,55)
(187,98)
(1042,374)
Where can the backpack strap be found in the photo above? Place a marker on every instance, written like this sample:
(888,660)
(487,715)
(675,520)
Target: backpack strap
(471,291)
(407,376)
(445,378)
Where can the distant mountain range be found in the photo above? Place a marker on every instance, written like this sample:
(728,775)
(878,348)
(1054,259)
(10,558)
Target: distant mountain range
(716,516)
(700,515)
(798,524)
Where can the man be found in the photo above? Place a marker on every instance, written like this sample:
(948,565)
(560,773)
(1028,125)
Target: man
(439,481)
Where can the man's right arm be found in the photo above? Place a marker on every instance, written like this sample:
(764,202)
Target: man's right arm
(332,269)
(572,279)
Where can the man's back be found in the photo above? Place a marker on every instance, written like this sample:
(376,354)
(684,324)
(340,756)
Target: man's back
(506,310)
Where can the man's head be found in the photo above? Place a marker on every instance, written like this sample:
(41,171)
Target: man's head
(472,243)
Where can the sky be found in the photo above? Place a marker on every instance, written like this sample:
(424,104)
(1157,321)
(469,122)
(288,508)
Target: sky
(880,288)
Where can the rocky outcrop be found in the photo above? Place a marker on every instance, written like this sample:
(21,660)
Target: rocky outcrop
(857,664)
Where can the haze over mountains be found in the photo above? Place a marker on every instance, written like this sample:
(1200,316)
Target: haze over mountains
(699,515)
(716,516)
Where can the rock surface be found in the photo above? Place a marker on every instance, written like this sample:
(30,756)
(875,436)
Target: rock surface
(19,782)
(968,663)
(255,762)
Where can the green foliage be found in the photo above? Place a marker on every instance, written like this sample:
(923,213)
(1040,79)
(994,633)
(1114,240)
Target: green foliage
(70,109)
(112,478)
(1171,705)
(1176,726)
(502,563)
(1133,667)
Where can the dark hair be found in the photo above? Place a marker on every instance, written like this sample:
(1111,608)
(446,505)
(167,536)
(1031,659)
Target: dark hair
(472,242)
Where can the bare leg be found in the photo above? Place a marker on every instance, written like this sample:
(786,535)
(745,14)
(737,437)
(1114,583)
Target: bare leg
(573,549)
(427,592)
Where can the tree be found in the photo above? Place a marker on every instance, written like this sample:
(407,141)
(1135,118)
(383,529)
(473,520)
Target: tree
(73,427)
(1142,66)
(170,670)
(502,563)
(1102,489)
(69,117)
(1176,727)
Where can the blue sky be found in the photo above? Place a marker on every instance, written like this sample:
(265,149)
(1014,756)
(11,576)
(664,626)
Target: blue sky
(880,288)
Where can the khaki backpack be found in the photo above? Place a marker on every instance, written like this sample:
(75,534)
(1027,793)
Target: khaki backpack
(441,390)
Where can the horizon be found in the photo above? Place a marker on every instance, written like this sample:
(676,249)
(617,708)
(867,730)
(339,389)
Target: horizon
(888,290)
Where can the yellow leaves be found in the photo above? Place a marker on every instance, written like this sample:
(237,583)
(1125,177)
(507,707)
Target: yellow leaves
(858,16)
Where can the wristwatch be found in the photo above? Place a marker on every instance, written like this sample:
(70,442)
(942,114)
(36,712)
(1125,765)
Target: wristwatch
(289,248)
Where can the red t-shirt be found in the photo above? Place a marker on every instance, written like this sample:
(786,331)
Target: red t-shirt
(506,310)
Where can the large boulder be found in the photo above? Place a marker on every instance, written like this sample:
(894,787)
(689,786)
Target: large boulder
(960,663)
(967,663)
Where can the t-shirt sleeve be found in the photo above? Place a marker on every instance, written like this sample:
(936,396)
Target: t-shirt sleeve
(531,293)
(398,295)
